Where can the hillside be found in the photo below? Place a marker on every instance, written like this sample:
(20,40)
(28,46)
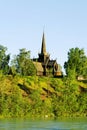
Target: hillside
(32,96)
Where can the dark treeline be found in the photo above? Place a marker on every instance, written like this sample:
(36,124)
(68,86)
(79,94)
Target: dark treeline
(23,94)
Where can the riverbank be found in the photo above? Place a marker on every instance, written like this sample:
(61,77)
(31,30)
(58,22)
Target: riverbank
(42,97)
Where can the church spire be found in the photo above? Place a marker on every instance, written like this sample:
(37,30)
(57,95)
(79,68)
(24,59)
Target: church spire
(43,48)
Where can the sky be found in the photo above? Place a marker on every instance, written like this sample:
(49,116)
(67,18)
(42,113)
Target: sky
(64,23)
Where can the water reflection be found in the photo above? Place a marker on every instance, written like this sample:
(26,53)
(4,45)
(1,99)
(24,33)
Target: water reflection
(61,124)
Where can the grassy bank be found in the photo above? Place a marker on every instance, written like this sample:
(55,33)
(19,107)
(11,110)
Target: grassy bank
(43,97)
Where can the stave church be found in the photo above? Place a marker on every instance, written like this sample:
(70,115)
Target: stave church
(44,65)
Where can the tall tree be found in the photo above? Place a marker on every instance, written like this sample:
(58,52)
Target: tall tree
(4,60)
(23,63)
(77,62)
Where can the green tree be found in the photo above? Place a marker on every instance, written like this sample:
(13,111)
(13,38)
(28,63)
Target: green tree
(23,64)
(4,60)
(76,64)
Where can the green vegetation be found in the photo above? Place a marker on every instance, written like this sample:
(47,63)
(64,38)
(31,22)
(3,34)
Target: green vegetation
(33,96)
(77,63)
(23,94)
(4,60)
(22,64)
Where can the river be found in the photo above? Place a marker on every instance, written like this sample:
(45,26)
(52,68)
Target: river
(60,124)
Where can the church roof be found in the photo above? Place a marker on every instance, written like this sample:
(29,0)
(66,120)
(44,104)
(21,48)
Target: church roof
(51,62)
(38,66)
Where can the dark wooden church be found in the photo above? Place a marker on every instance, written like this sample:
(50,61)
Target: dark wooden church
(44,65)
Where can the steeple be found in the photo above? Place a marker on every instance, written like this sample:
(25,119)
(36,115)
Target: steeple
(43,56)
(43,48)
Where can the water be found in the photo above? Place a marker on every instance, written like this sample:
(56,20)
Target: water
(61,124)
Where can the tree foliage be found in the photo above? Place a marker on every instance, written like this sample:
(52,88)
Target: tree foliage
(4,60)
(23,64)
(77,62)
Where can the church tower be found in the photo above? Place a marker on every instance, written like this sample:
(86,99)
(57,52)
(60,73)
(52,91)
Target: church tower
(43,56)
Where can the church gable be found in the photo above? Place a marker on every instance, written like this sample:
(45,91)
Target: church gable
(39,68)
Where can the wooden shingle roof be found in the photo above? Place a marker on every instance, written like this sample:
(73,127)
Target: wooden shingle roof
(51,62)
(38,66)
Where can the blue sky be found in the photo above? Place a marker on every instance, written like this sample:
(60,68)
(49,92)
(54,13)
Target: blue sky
(64,23)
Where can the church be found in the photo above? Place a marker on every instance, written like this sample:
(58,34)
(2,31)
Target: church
(44,65)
